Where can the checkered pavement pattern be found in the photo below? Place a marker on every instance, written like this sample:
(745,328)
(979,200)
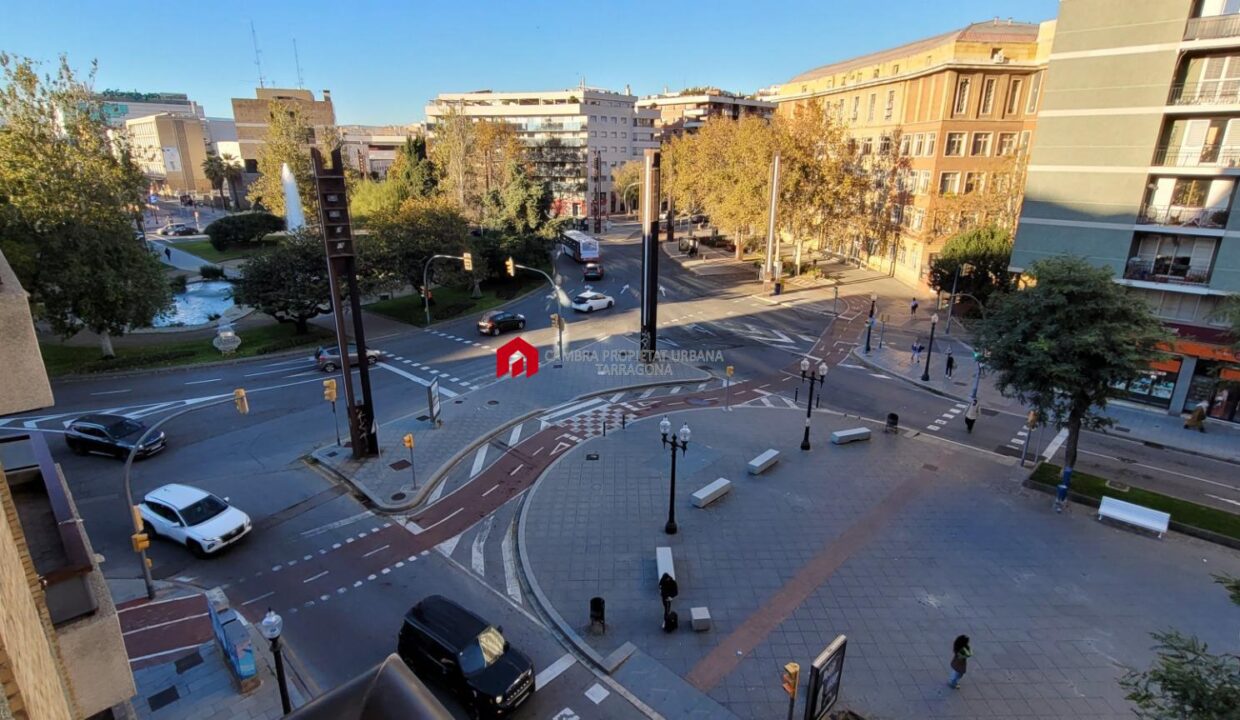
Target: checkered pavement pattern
(589,424)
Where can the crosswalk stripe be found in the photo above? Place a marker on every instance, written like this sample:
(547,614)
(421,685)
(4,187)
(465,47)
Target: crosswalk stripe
(478,551)
(479,460)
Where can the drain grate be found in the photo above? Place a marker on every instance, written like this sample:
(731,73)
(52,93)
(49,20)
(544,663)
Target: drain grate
(163,698)
(492,402)
(423,418)
(592,456)
(989,413)
(189,661)
(400,465)
(399,496)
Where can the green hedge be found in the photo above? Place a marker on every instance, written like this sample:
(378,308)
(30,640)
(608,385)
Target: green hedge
(245,228)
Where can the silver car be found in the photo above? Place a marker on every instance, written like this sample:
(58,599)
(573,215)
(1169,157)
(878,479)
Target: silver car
(328,358)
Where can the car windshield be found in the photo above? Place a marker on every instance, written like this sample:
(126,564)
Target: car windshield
(491,316)
(582,298)
(482,652)
(203,510)
(124,428)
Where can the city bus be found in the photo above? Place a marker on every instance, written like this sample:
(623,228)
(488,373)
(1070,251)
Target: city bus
(582,247)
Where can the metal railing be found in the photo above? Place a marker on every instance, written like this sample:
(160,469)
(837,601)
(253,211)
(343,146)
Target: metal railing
(1207,155)
(1216,26)
(1210,92)
(1161,271)
(1181,216)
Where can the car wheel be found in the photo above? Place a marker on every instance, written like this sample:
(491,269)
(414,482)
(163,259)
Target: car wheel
(329,367)
(77,448)
(610,303)
(196,549)
(372,361)
(494,332)
(521,325)
(589,308)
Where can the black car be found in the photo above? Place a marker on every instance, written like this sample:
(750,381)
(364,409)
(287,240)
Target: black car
(111,435)
(442,639)
(593,271)
(494,322)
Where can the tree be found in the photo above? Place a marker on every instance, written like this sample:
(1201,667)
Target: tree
(993,198)
(628,178)
(405,238)
(1187,682)
(214,170)
(412,173)
(987,250)
(288,281)
(1064,343)
(288,140)
(232,175)
(524,200)
(454,137)
(69,193)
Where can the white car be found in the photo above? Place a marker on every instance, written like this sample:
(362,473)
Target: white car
(591,301)
(195,518)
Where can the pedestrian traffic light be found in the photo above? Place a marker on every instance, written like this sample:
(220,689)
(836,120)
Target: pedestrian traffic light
(730,370)
(140,542)
(792,675)
(512,267)
(408,440)
(329,390)
(243,403)
(469,261)
(555,320)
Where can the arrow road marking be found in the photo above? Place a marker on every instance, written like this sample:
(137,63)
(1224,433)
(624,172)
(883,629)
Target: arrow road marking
(560,447)
(477,554)
(510,564)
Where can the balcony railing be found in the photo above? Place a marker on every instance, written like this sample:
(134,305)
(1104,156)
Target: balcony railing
(1210,92)
(1163,271)
(1207,156)
(1216,26)
(1181,216)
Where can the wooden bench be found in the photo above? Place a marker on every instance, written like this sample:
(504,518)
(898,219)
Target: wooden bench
(663,559)
(712,492)
(763,462)
(1153,520)
(840,437)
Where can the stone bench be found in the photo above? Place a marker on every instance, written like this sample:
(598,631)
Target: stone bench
(663,560)
(763,462)
(711,493)
(699,618)
(1153,520)
(840,437)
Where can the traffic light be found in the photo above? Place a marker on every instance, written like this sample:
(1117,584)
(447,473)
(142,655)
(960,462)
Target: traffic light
(408,440)
(140,542)
(243,403)
(555,320)
(792,675)
(469,261)
(329,390)
(512,267)
(977,355)
(730,370)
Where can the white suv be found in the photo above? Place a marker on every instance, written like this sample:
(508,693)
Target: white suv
(195,518)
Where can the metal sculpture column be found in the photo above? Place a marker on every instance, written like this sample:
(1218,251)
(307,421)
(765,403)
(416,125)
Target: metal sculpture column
(650,256)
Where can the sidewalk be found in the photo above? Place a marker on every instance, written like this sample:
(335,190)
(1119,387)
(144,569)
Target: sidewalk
(900,543)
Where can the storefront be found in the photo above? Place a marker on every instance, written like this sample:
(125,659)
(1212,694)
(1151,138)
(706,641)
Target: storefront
(1198,372)
(1218,385)
(1156,386)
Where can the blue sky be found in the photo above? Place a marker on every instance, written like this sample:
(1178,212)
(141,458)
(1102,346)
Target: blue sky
(389,58)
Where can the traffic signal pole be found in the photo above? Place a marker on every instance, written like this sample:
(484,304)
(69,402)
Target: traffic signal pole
(426,289)
(556,318)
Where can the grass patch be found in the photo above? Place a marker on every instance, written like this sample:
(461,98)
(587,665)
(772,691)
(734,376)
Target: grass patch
(1182,511)
(206,251)
(452,302)
(68,359)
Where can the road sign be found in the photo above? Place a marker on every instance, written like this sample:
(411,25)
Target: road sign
(824,679)
(432,399)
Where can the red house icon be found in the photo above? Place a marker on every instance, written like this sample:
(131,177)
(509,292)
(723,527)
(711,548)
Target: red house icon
(516,357)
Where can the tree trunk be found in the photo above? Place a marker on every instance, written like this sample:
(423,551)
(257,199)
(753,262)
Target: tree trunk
(303,326)
(1069,449)
(476,291)
(740,245)
(105,344)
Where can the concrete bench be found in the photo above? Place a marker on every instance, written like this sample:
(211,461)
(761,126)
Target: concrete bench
(712,492)
(699,617)
(839,437)
(763,462)
(1153,520)
(663,559)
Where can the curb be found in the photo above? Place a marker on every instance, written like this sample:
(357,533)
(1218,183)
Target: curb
(79,377)
(860,356)
(416,328)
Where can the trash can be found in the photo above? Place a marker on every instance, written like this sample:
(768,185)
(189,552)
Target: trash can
(779,288)
(598,615)
(893,422)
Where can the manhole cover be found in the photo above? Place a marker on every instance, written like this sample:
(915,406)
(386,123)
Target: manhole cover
(492,402)
(163,698)
(399,496)
(331,454)
(423,418)
(592,456)
(400,465)
(457,402)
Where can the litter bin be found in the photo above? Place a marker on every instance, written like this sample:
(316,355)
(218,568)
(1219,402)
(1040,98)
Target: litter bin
(779,288)
(893,422)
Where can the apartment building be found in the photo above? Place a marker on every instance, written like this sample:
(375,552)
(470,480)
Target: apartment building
(1135,167)
(62,655)
(170,148)
(686,111)
(371,149)
(119,106)
(575,138)
(963,105)
(252,117)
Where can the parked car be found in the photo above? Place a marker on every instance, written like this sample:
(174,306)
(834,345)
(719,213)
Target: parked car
(194,518)
(494,322)
(593,271)
(591,301)
(328,358)
(111,435)
(177,229)
(444,640)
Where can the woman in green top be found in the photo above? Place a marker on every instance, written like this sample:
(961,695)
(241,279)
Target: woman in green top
(961,652)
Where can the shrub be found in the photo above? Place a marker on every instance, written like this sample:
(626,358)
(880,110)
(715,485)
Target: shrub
(211,272)
(178,283)
(242,228)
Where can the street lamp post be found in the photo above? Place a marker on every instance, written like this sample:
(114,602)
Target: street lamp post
(934,321)
(679,441)
(270,627)
(869,324)
(818,376)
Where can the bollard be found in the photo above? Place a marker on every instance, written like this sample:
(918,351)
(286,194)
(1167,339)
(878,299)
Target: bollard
(604,428)
(623,418)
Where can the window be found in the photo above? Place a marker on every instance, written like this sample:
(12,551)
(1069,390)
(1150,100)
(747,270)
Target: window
(895,69)
(884,145)
(856,113)
(867,146)
(930,138)
(919,144)
(916,217)
(988,96)
(905,141)
(251,166)
(1007,144)
(981,144)
(962,97)
(974,182)
(955,144)
(869,115)
(891,105)
(1013,98)
(624,135)
(1035,89)
(923,182)
(164,512)
(949,183)
(1024,143)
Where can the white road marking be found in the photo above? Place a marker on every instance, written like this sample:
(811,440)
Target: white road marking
(1226,500)
(493,489)
(852,366)
(880,376)
(933,427)
(571,409)
(479,460)
(438,491)
(256,599)
(510,564)
(616,397)
(597,693)
(807,338)
(445,519)
(646,394)
(554,670)
(477,558)
(265,372)
(287,362)
(447,546)
(674,390)
(1054,446)
(180,619)
(314,577)
(560,446)
(202,382)
(337,524)
(376,550)
(515,436)
(161,654)
(112,392)
(789,403)
(410,376)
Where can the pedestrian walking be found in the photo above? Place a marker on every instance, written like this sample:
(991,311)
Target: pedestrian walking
(917,348)
(912,308)
(168,253)
(1197,420)
(961,652)
(668,590)
(951,362)
(970,415)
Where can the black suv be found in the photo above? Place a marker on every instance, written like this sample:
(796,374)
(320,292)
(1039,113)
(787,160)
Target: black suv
(494,322)
(111,435)
(443,639)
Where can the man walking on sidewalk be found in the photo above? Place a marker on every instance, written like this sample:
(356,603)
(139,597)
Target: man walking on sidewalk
(951,362)
(912,308)
(970,415)
(917,351)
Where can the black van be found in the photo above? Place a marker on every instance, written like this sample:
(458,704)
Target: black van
(442,639)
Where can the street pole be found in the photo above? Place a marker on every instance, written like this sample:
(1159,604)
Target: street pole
(336,422)
(772,242)
(977,377)
(869,323)
(934,321)
(679,441)
(270,627)
(835,302)
(817,378)
(951,302)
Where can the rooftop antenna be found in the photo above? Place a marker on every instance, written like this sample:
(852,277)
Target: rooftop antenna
(297,60)
(258,59)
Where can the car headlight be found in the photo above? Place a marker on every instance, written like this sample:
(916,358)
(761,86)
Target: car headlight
(499,699)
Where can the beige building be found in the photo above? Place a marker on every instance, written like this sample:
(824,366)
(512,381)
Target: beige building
(170,148)
(252,114)
(962,103)
(62,655)
(371,149)
(685,112)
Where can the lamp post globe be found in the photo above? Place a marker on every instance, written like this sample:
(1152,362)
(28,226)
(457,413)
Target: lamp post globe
(665,427)
(822,369)
(684,434)
(804,366)
(271,626)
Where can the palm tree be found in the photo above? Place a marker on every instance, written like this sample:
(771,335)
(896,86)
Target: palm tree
(213,168)
(232,175)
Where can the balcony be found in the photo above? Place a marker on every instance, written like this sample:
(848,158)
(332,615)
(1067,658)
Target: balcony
(1166,271)
(1213,27)
(1211,92)
(1203,156)
(1181,216)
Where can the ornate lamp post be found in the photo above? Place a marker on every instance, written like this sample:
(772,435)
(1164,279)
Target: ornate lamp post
(270,627)
(679,441)
(934,321)
(816,377)
(869,323)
